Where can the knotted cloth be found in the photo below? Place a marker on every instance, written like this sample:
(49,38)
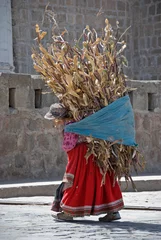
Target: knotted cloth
(111,123)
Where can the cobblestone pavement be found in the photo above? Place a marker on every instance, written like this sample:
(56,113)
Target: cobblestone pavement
(33,222)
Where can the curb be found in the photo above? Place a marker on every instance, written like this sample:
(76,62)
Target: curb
(126,207)
(143,183)
(29,189)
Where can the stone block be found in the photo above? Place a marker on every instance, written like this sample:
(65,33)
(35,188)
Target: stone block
(159,60)
(152,10)
(6,167)
(20,161)
(154,42)
(109,5)
(147,1)
(144,12)
(72,35)
(23,93)
(33,125)
(46,141)
(121,14)
(61,19)
(157,25)
(48,98)
(97,4)
(140,100)
(138,121)
(37,82)
(53,170)
(8,143)
(28,141)
(136,44)
(36,160)
(13,124)
(82,3)
(4,94)
(159,41)
(37,15)
(91,3)
(148,139)
(157,18)
(79,19)
(22,66)
(24,15)
(121,6)
(70,2)
(159,8)
(148,30)
(23,33)
(152,61)
(19,4)
(157,32)
(147,95)
(71,19)
(62,2)
(20,50)
(91,19)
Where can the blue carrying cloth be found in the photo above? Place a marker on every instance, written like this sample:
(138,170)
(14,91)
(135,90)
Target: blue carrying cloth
(111,123)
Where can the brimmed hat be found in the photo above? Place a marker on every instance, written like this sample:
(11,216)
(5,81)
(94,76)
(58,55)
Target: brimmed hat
(56,111)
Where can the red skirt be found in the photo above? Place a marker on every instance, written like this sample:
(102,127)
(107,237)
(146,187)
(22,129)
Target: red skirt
(83,193)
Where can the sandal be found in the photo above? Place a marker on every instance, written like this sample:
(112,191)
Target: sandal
(62,216)
(110,217)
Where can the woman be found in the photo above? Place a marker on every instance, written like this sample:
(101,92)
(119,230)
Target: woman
(81,193)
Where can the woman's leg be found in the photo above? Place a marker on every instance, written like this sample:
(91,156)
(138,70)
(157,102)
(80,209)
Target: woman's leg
(58,197)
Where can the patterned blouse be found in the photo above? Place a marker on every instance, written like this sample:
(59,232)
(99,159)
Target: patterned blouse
(70,140)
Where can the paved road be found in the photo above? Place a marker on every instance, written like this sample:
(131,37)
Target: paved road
(34,222)
(24,222)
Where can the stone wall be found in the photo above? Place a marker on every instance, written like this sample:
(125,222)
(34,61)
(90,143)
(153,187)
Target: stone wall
(29,146)
(146,29)
(143,38)
(73,15)
(6,51)
(146,101)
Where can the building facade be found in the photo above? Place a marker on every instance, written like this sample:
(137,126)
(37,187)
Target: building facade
(18,19)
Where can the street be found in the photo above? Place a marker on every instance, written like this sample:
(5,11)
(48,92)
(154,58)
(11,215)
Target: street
(34,222)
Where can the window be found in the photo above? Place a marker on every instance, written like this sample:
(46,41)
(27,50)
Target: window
(151,101)
(12,92)
(38,98)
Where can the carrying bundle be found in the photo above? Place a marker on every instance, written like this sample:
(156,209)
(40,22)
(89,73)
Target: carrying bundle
(87,77)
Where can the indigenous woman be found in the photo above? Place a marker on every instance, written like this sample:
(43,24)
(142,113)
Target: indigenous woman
(81,192)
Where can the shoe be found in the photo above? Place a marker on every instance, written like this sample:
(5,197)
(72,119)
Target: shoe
(61,216)
(110,217)
(56,207)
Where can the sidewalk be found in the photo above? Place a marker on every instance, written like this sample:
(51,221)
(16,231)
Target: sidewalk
(132,200)
(48,188)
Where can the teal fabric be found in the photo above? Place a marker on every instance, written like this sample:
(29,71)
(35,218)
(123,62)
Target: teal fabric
(113,122)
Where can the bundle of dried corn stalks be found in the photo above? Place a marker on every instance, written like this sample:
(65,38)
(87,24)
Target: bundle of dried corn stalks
(86,79)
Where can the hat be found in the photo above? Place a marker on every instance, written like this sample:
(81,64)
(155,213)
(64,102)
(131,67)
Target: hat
(56,111)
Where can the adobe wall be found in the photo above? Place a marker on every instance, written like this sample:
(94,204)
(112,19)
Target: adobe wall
(29,145)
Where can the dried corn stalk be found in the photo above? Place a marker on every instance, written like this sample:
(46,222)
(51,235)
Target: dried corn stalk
(86,79)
